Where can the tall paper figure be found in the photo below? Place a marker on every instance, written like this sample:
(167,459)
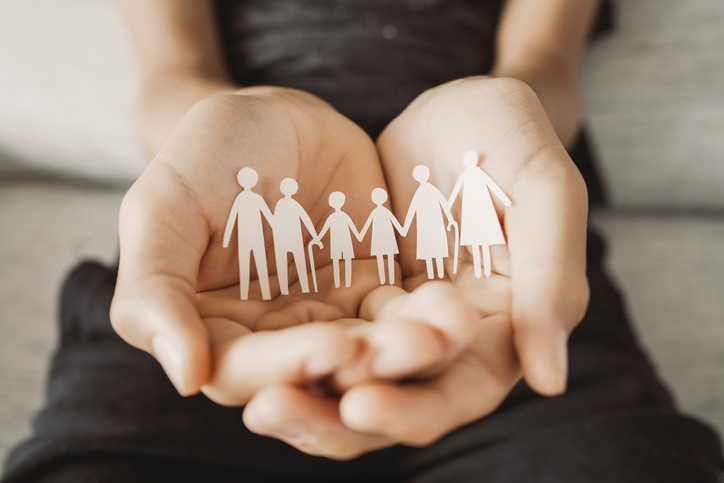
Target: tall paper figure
(247,211)
(383,224)
(288,218)
(427,204)
(479,224)
(339,225)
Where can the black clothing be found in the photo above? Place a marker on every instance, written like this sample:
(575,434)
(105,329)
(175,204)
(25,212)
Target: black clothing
(369,58)
(112,415)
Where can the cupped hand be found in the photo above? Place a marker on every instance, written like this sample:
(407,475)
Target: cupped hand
(525,310)
(177,295)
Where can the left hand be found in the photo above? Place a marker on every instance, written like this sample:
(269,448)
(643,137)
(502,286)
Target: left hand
(536,296)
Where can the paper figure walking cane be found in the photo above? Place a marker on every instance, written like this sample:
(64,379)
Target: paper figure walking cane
(247,211)
(339,225)
(384,243)
(288,218)
(428,205)
(479,224)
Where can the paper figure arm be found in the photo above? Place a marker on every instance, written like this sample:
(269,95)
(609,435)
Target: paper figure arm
(325,229)
(266,211)
(396,223)
(443,202)
(230,222)
(363,232)
(352,227)
(499,193)
(410,213)
(455,191)
(307,221)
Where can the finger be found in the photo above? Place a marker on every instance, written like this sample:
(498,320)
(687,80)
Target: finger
(245,361)
(393,350)
(546,229)
(158,316)
(309,423)
(420,413)
(440,306)
(154,305)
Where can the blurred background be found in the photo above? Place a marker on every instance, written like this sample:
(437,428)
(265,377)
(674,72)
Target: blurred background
(655,98)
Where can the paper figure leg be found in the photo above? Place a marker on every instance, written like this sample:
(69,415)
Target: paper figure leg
(381,268)
(486,259)
(348,272)
(391,268)
(476,260)
(282,271)
(440,268)
(301,264)
(310,250)
(244,265)
(262,272)
(430,271)
(335,267)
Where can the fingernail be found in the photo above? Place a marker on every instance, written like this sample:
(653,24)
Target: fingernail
(170,360)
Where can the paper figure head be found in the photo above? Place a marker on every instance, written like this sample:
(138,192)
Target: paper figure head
(288,187)
(421,173)
(470,159)
(247,177)
(336,200)
(379,196)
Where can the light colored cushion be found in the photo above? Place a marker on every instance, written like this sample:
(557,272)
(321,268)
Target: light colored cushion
(48,228)
(68,84)
(655,97)
(671,272)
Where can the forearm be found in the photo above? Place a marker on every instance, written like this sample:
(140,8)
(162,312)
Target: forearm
(165,99)
(180,59)
(542,44)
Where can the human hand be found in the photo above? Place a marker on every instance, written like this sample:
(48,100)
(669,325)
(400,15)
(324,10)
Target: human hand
(177,295)
(526,309)
(502,120)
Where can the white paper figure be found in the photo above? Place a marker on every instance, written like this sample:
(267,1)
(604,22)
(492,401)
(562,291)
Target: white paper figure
(288,218)
(339,225)
(384,242)
(427,205)
(479,224)
(247,211)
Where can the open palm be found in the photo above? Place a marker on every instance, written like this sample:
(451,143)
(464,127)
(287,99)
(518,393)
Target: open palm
(536,294)
(178,288)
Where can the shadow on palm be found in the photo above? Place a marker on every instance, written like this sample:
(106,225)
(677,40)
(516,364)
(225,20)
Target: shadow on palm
(281,134)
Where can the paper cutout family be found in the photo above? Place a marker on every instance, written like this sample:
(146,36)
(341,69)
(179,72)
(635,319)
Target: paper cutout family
(480,228)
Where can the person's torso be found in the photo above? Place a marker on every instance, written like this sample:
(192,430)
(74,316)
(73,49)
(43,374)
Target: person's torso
(368,58)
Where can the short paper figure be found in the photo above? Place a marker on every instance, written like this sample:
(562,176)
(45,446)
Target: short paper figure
(247,210)
(479,224)
(383,224)
(339,225)
(288,218)
(431,236)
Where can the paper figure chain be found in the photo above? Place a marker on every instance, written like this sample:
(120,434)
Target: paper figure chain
(479,228)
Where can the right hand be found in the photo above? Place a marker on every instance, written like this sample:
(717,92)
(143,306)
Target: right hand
(177,293)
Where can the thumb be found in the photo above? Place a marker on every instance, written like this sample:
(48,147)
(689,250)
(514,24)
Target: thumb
(160,317)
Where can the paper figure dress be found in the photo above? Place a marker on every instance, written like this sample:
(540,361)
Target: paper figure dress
(428,205)
(340,227)
(479,224)
(246,212)
(288,218)
(384,242)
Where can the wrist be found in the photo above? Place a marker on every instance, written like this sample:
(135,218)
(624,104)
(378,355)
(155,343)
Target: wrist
(165,99)
(555,82)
